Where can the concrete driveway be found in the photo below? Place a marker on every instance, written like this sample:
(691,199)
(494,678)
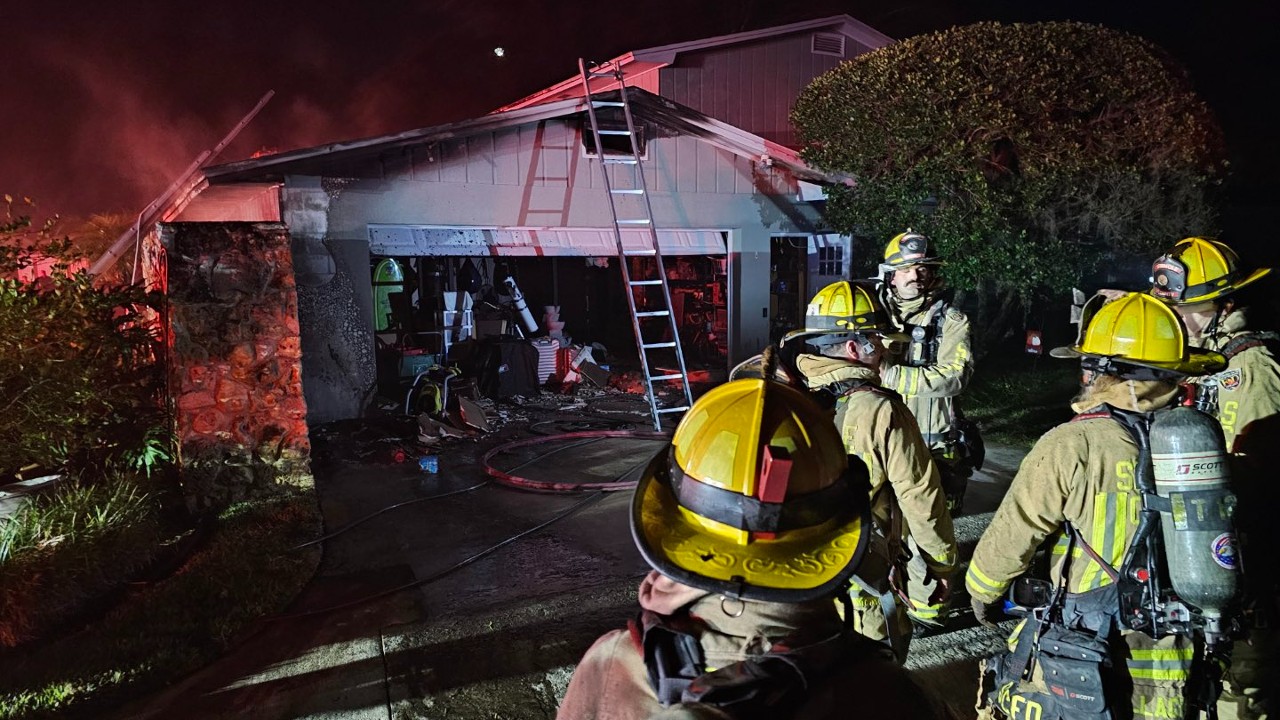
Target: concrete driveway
(403,620)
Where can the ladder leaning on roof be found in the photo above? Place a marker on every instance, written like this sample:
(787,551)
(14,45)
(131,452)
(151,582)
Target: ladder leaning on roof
(640,217)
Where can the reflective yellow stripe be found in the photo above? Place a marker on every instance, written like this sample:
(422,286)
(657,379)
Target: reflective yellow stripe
(915,381)
(982,580)
(1089,578)
(1181,653)
(1119,529)
(1012,640)
(924,611)
(1165,663)
(1161,674)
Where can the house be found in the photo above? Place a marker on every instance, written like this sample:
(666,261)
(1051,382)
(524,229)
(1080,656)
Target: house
(519,192)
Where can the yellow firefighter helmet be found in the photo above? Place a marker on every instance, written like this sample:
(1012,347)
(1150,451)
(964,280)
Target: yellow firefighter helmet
(910,248)
(842,308)
(1137,330)
(1197,270)
(754,498)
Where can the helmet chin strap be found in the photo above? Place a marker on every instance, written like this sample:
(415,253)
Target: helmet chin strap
(1219,312)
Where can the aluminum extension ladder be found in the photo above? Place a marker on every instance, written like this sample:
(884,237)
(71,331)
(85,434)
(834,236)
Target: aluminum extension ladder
(636,215)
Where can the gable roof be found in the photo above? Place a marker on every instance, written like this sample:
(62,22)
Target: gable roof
(638,63)
(335,159)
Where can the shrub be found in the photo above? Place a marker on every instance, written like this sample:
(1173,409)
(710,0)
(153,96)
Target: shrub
(1029,152)
(81,387)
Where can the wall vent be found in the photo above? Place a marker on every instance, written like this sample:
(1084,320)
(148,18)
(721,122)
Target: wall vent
(828,44)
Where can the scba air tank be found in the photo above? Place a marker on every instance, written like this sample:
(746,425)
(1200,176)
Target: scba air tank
(1190,467)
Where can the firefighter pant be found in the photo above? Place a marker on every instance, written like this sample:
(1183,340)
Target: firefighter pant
(920,585)
(869,620)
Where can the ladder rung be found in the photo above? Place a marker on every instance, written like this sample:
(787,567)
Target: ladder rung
(654,378)
(621,161)
(615,132)
(602,74)
(606,103)
(640,253)
(654,313)
(682,408)
(635,221)
(646,282)
(627,191)
(650,346)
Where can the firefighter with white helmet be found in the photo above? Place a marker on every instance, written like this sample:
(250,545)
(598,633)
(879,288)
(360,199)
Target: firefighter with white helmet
(843,340)
(934,366)
(753,519)
(1200,279)
(1083,483)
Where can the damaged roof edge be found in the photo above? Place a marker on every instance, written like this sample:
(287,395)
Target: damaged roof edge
(256,168)
(649,106)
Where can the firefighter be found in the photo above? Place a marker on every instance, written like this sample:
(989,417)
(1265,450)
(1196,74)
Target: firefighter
(929,372)
(1078,484)
(1200,280)
(934,366)
(753,519)
(845,331)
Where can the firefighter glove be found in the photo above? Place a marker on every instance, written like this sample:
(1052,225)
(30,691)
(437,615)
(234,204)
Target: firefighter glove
(987,614)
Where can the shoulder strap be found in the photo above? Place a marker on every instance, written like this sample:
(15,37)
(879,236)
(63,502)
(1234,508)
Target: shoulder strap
(775,684)
(1093,554)
(672,653)
(1240,343)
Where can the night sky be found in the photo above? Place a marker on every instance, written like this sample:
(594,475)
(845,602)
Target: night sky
(103,104)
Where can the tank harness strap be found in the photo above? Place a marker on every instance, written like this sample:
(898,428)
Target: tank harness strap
(1247,341)
(672,653)
(769,685)
(1093,554)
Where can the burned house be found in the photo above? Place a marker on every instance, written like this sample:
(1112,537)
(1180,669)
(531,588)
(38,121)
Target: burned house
(385,232)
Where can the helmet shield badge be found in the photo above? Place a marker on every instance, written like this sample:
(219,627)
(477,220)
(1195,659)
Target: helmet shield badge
(1169,278)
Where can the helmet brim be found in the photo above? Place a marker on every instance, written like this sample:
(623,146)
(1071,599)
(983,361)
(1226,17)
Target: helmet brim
(1221,292)
(1197,362)
(800,566)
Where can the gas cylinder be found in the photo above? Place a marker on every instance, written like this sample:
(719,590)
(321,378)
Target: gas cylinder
(1189,462)
(522,307)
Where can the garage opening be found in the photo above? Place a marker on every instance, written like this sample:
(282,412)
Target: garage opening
(452,310)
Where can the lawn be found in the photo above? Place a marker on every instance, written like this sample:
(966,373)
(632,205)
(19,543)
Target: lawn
(161,631)
(1017,398)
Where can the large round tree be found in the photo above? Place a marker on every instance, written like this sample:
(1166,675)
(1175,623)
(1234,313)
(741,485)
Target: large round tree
(1029,152)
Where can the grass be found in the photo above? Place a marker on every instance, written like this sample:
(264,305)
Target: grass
(1017,398)
(163,631)
(62,550)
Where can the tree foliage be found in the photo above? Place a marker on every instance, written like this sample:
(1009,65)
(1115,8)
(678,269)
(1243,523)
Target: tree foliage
(81,387)
(1027,151)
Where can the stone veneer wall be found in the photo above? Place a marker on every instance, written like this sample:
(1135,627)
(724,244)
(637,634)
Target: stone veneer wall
(235,369)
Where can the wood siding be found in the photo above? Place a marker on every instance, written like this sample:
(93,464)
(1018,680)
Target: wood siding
(550,154)
(751,85)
